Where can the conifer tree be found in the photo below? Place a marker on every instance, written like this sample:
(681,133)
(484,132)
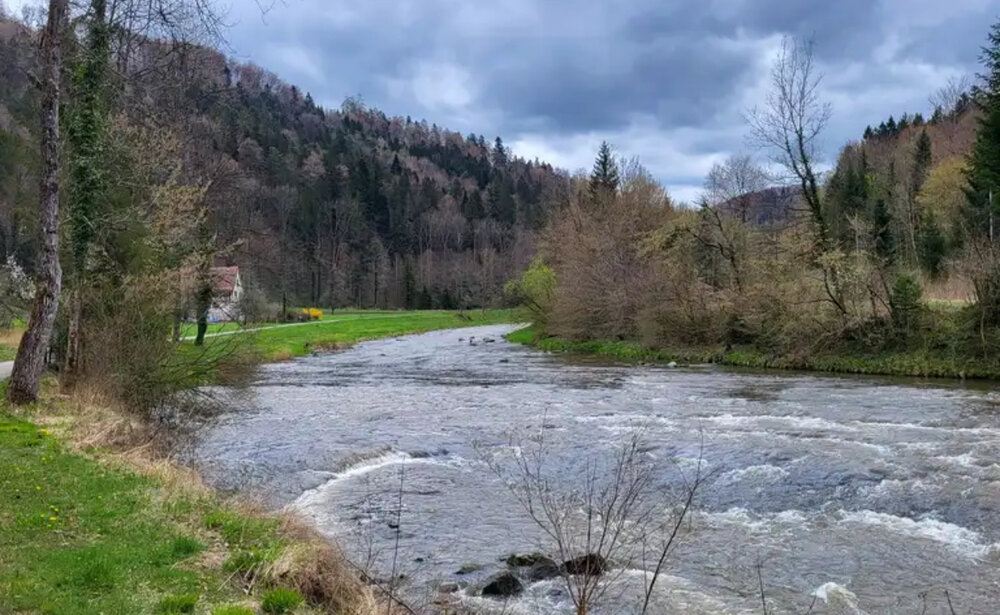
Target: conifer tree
(604,179)
(983,191)
(921,161)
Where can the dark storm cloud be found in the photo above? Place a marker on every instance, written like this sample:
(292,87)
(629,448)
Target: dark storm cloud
(667,80)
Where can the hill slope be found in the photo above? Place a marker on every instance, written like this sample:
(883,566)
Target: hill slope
(326,207)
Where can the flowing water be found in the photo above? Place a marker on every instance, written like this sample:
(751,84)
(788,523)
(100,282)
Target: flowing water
(883,490)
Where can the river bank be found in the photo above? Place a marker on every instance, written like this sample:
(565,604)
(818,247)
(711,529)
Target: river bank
(886,488)
(89,527)
(917,363)
(99,520)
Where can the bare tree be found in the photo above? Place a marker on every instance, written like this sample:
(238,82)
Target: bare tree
(610,517)
(790,123)
(30,359)
(730,189)
(732,184)
(947,97)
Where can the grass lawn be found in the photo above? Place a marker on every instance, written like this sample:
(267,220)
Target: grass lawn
(340,329)
(82,537)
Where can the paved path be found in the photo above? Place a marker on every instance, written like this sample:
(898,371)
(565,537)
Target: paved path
(295,324)
(5,369)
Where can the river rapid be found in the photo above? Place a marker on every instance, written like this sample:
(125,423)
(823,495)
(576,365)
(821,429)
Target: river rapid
(853,495)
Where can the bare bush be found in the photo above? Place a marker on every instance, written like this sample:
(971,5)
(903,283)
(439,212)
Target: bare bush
(613,512)
(598,258)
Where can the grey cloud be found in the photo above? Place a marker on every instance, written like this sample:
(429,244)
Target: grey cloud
(546,71)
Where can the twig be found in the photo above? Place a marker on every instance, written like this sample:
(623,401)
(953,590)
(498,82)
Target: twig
(395,549)
(760,584)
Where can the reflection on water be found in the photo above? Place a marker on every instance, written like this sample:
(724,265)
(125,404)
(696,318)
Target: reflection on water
(888,488)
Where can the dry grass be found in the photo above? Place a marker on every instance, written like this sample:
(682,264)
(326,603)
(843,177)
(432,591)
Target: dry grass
(315,567)
(10,337)
(955,290)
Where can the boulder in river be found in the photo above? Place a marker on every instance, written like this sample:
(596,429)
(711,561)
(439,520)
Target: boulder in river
(502,585)
(520,560)
(543,569)
(592,563)
(469,569)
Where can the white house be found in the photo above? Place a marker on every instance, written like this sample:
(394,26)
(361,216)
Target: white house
(227,292)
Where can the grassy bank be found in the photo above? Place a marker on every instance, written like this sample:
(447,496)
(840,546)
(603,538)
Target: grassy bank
(918,363)
(87,528)
(87,531)
(338,330)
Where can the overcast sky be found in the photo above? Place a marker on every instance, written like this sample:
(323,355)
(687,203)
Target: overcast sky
(665,80)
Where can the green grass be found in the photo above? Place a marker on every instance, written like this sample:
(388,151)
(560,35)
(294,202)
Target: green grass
(78,537)
(7,352)
(338,330)
(917,362)
(279,601)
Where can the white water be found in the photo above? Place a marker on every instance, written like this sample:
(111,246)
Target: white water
(862,495)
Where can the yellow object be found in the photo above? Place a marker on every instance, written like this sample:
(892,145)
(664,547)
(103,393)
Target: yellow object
(313,313)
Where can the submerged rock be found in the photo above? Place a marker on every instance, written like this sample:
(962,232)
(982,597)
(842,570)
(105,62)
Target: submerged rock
(468,569)
(502,585)
(449,587)
(592,563)
(522,560)
(543,569)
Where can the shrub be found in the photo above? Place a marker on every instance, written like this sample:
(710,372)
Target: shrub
(181,603)
(311,314)
(534,289)
(185,546)
(280,600)
(904,302)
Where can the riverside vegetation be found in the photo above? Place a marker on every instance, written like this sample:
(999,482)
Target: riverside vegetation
(97,511)
(886,265)
(100,520)
(161,144)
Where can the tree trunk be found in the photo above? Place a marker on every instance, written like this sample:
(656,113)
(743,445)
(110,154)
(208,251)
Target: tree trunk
(72,365)
(30,359)
(204,304)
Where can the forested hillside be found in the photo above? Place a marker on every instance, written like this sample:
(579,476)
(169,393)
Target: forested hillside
(887,263)
(317,206)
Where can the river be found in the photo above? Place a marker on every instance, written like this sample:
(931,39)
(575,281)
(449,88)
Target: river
(887,489)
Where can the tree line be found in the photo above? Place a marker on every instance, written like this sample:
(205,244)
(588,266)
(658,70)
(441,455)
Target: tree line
(161,159)
(842,262)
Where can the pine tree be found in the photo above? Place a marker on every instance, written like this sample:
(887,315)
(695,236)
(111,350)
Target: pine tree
(983,191)
(885,243)
(932,245)
(921,162)
(499,154)
(890,126)
(869,133)
(604,178)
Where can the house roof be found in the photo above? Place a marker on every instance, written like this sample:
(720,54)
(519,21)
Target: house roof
(224,279)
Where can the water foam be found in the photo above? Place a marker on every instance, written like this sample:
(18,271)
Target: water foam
(961,540)
(838,599)
(315,496)
(765,473)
